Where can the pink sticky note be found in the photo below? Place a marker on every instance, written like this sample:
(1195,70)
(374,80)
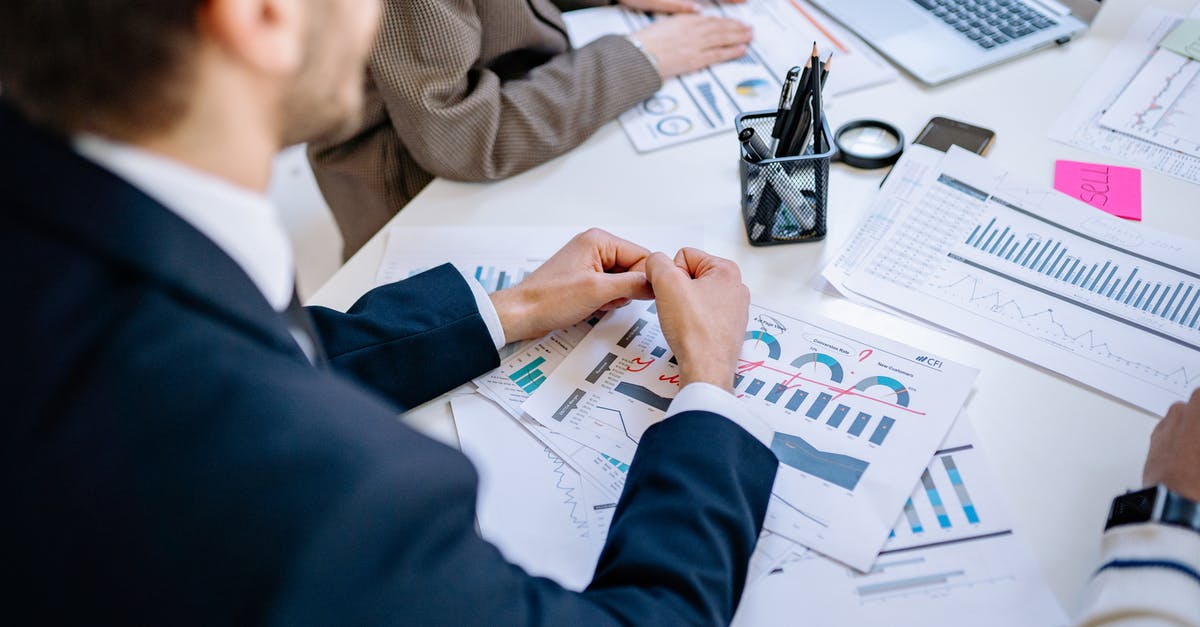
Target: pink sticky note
(1110,188)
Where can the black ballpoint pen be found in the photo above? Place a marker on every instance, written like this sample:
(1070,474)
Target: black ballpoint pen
(785,100)
(792,118)
(753,147)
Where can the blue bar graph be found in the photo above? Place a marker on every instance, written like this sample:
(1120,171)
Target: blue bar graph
(776,392)
(882,430)
(838,416)
(914,521)
(818,405)
(1174,300)
(860,423)
(754,387)
(935,499)
(796,400)
(960,489)
(528,377)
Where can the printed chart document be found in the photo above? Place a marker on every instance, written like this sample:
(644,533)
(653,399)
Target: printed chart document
(531,505)
(1034,273)
(539,512)
(706,102)
(522,373)
(952,555)
(856,416)
(1142,105)
(1161,104)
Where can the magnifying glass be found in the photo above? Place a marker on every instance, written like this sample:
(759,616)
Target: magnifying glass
(868,144)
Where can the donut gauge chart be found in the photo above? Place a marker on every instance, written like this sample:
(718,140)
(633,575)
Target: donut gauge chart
(834,366)
(762,337)
(897,388)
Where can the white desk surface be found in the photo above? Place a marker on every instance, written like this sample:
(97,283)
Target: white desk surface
(1061,451)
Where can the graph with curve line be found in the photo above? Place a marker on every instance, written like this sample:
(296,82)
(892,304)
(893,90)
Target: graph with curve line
(854,417)
(1037,274)
(1161,104)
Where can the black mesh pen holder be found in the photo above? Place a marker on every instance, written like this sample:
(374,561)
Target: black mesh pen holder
(784,199)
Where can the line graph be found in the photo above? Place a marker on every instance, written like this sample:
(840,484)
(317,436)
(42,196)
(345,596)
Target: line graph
(568,486)
(970,293)
(1161,104)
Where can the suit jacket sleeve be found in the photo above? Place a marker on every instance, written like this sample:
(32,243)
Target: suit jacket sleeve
(464,122)
(677,550)
(411,340)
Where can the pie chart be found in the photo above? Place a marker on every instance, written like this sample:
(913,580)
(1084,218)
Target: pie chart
(753,87)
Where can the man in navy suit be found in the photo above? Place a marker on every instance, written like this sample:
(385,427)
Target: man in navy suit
(183,444)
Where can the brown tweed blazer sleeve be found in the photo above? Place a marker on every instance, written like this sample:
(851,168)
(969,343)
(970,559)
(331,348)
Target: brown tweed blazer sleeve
(459,119)
(470,90)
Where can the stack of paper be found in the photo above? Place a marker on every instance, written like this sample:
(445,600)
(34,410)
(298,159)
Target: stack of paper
(706,102)
(858,419)
(960,242)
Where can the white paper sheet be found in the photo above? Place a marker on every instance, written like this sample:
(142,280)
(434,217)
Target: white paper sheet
(1080,125)
(705,102)
(856,416)
(956,560)
(1161,104)
(1034,273)
(539,512)
(531,505)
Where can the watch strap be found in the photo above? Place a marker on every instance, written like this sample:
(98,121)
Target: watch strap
(1155,504)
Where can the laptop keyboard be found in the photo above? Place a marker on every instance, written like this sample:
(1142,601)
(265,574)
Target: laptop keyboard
(988,23)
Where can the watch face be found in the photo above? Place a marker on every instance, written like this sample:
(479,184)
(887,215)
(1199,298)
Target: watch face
(1134,507)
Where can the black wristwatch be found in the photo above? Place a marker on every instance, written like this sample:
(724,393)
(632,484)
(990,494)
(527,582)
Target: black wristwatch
(1156,504)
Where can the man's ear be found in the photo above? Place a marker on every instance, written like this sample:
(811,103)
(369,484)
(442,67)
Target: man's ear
(268,36)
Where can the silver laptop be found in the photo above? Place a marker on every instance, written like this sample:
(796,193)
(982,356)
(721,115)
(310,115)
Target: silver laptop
(937,40)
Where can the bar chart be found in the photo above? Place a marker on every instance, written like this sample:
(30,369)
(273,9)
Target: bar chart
(945,506)
(823,408)
(495,279)
(1075,260)
(528,377)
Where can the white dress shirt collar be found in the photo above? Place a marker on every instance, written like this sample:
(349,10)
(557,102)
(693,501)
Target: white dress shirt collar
(242,223)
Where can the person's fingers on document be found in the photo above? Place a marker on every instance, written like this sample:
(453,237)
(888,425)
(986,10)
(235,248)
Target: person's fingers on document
(685,43)
(587,275)
(702,308)
(663,6)
(698,264)
(1175,449)
(612,253)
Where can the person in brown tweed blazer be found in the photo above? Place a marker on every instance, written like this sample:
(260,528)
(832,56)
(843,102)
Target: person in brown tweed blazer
(479,90)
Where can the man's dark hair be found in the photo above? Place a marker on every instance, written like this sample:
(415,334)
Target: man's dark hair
(117,67)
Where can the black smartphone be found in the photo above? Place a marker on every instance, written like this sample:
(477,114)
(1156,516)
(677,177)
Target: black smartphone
(941,133)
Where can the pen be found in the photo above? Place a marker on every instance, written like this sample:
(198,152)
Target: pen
(818,125)
(792,117)
(753,147)
(785,100)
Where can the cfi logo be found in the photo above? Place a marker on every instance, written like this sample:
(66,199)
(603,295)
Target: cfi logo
(929,361)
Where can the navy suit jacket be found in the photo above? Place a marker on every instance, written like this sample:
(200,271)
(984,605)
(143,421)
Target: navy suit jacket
(170,457)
